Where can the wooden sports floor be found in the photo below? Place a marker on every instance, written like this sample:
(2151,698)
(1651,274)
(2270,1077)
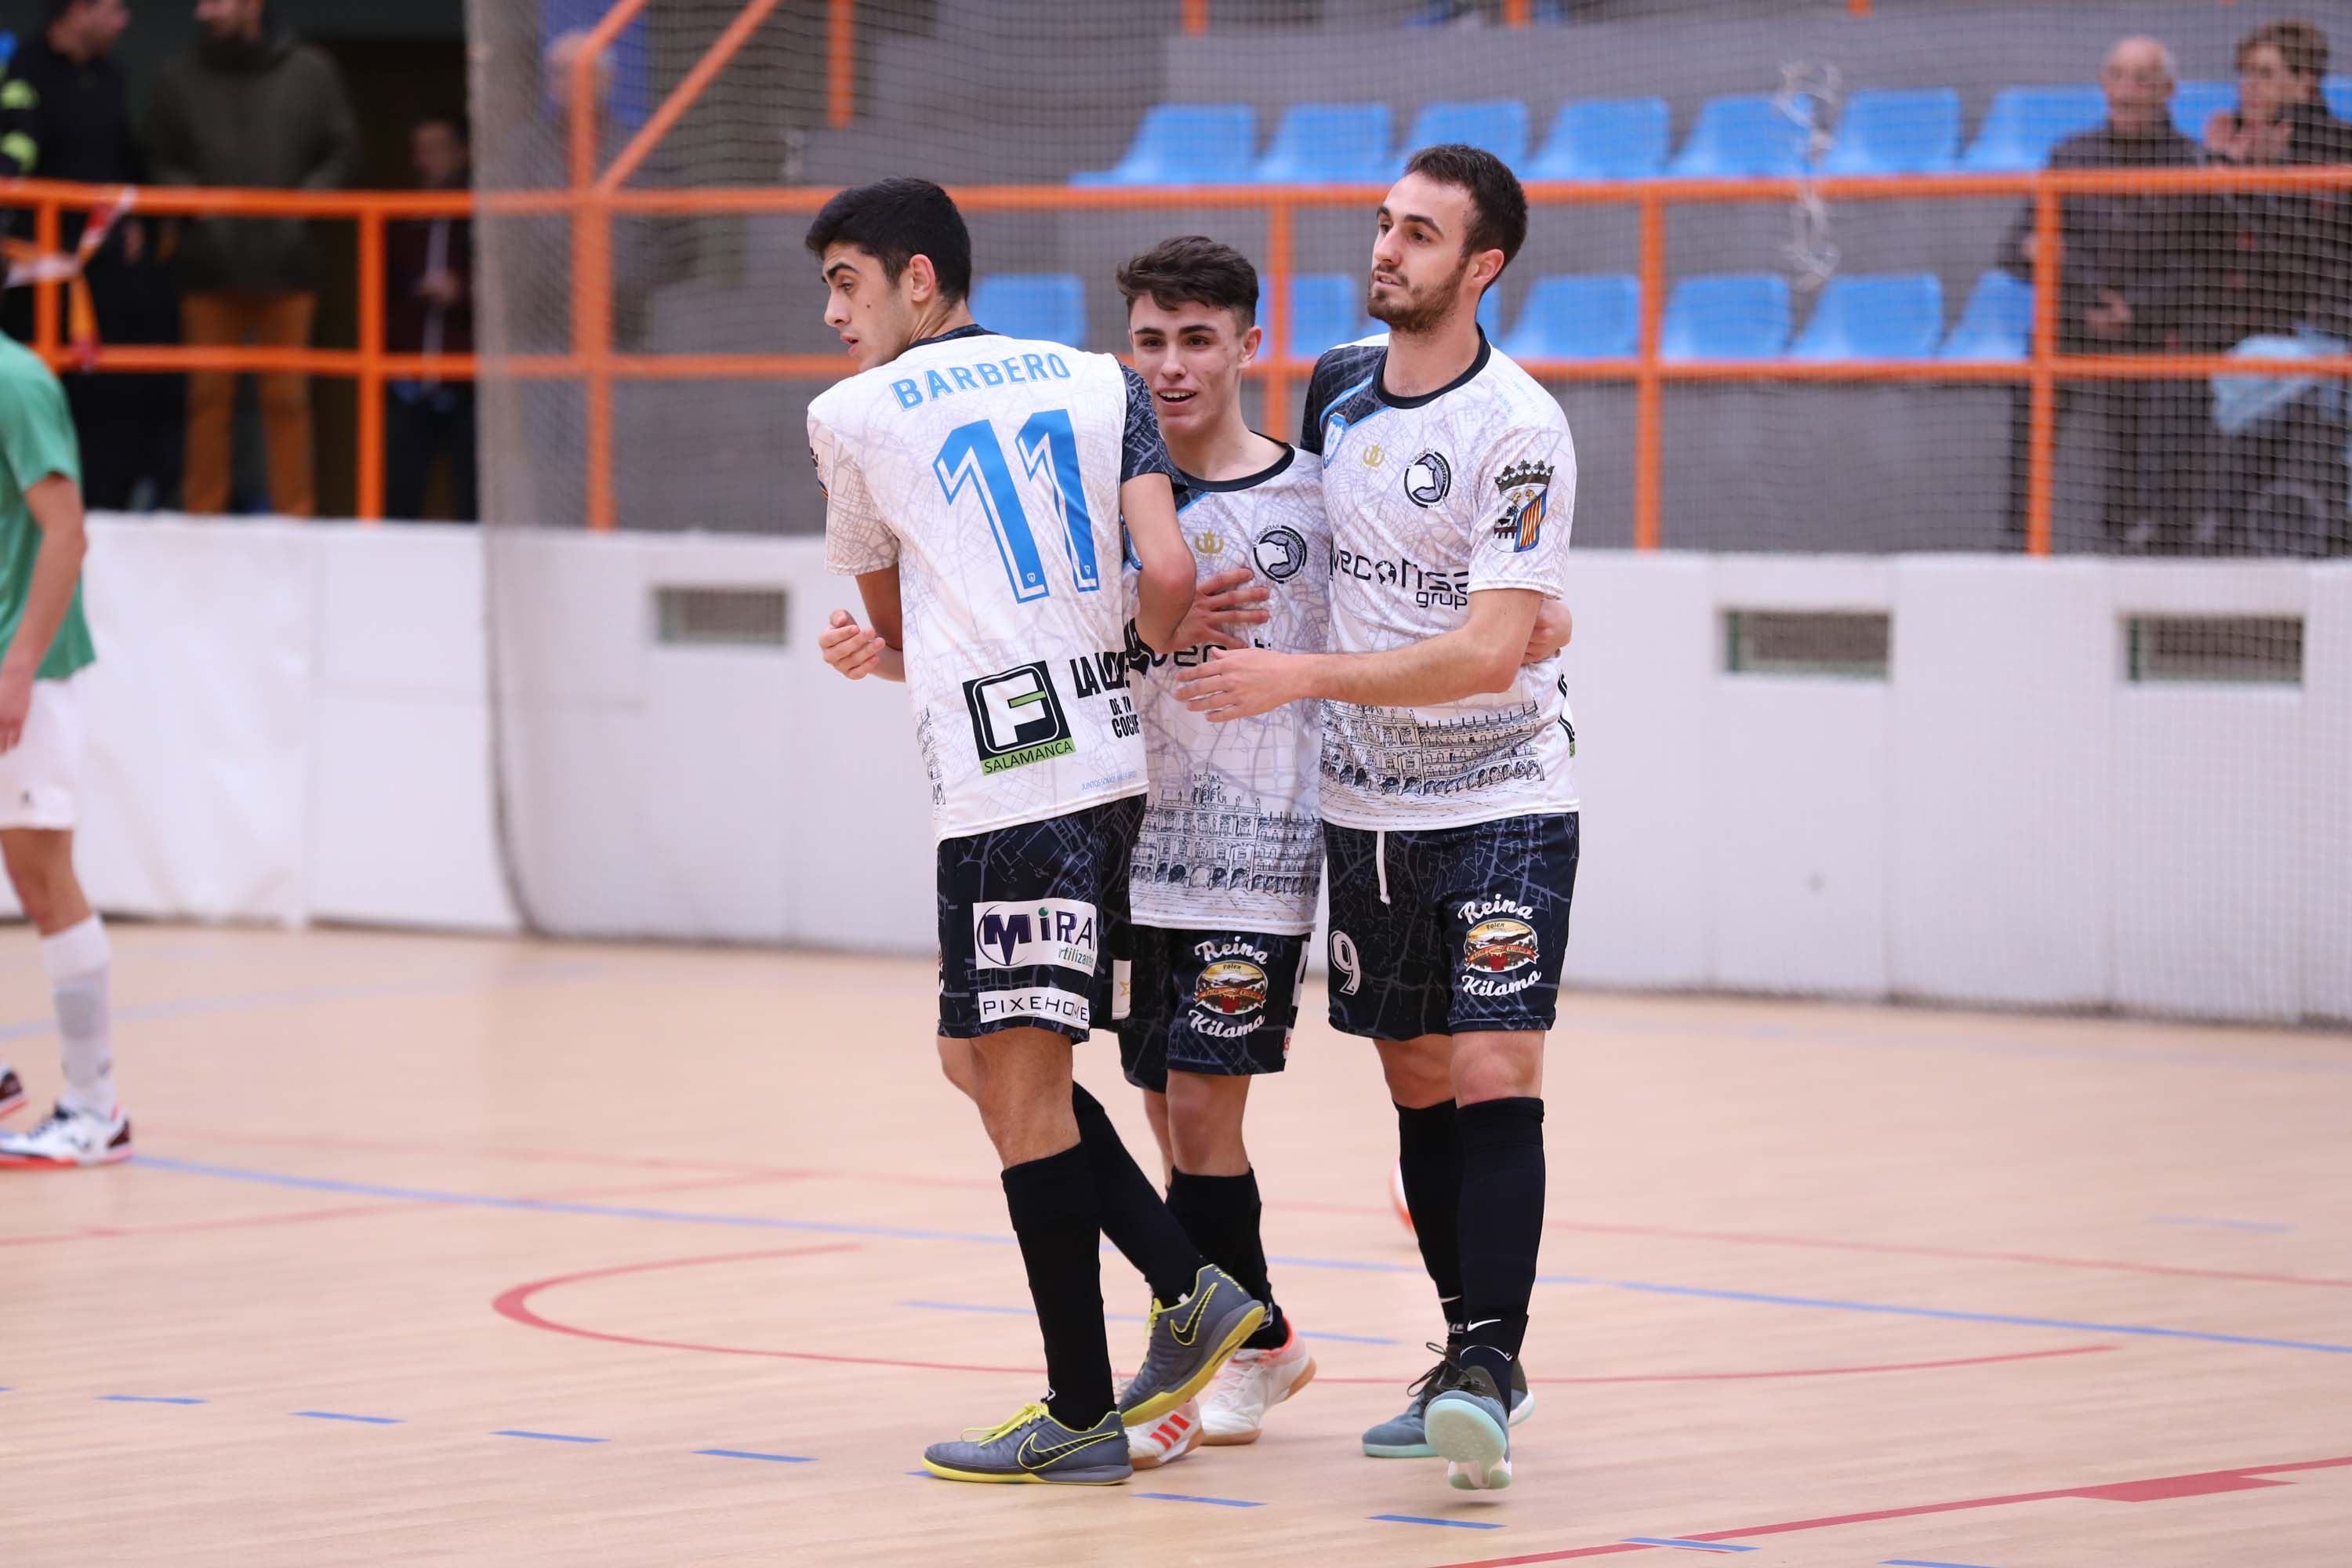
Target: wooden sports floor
(441,1250)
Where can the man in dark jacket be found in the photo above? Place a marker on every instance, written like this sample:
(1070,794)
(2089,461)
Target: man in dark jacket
(249,107)
(429,295)
(2130,276)
(77,118)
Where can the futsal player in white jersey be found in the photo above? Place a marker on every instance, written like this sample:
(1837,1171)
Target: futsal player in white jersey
(975,488)
(1448,790)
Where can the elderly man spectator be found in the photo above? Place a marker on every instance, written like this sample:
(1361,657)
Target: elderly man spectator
(429,286)
(76,120)
(2130,272)
(250,107)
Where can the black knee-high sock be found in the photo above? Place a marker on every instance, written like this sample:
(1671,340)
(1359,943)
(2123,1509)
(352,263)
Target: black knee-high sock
(1134,1216)
(1502,1227)
(1052,1201)
(1429,1155)
(1221,1214)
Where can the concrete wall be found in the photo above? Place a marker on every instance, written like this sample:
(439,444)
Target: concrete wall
(293,723)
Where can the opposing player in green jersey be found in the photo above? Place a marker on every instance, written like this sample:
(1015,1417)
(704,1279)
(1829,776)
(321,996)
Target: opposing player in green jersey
(44,645)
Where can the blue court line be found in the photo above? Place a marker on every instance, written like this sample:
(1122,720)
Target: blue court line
(547,1437)
(1219,1501)
(2262,1225)
(1416,1519)
(144,1399)
(339,1416)
(1131,1318)
(900,1232)
(1946,1314)
(1686,1545)
(748,1454)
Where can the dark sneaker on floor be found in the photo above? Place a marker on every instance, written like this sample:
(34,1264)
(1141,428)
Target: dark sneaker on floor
(1470,1429)
(1405,1437)
(1034,1447)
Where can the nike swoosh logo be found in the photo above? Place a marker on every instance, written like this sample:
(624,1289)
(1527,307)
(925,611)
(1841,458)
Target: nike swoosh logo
(1034,1457)
(1479,1324)
(1184,1332)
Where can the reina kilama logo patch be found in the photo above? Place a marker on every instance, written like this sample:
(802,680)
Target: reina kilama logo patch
(1527,497)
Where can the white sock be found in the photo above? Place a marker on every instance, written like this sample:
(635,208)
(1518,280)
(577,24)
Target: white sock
(79,963)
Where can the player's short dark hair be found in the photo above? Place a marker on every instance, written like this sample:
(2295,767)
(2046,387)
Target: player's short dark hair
(2299,43)
(893,221)
(1192,269)
(1498,206)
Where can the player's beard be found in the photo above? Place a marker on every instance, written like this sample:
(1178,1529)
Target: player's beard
(1421,309)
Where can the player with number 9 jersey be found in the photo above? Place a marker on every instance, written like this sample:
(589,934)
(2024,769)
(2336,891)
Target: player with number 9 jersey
(987,469)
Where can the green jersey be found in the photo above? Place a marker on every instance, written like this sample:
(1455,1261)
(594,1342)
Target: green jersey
(37,441)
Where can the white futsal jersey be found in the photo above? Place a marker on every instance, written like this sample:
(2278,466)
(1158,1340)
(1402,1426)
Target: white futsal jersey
(1231,840)
(1431,500)
(988,468)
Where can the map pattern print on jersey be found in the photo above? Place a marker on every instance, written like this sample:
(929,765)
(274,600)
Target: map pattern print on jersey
(1431,500)
(987,469)
(1231,838)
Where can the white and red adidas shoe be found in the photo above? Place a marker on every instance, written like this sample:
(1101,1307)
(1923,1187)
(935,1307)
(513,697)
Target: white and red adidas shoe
(69,1138)
(1248,1386)
(1166,1440)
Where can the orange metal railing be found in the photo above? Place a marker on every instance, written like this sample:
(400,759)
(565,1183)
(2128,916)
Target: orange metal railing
(594,203)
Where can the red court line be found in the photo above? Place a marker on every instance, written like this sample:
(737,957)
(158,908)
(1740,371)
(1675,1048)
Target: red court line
(1590,1228)
(2154,1489)
(357,1211)
(516,1304)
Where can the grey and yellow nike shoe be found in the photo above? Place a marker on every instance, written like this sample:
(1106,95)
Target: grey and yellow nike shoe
(1188,1342)
(1035,1448)
(1406,1435)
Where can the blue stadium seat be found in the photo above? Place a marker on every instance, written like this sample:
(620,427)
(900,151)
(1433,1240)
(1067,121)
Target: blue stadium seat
(1996,323)
(2025,122)
(1886,315)
(2195,102)
(1741,135)
(1497,124)
(1326,309)
(2337,90)
(1604,139)
(1184,144)
(1051,306)
(1329,144)
(1729,315)
(1593,315)
(1896,132)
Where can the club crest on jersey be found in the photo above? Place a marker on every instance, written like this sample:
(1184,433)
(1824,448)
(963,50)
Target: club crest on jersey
(1017,717)
(1427,479)
(1280,553)
(1209,542)
(1374,456)
(1499,945)
(1527,498)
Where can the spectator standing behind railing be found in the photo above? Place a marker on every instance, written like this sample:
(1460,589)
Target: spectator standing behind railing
(76,117)
(249,107)
(429,294)
(2129,276)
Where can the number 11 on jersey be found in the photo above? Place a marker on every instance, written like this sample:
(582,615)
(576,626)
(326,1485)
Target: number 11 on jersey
(971,454)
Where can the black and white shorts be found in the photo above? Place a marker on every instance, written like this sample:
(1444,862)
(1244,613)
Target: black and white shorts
(1033,918)
(1219,1003)
(1449,931)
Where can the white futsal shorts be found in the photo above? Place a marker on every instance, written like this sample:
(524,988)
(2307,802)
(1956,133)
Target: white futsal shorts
(40,776)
